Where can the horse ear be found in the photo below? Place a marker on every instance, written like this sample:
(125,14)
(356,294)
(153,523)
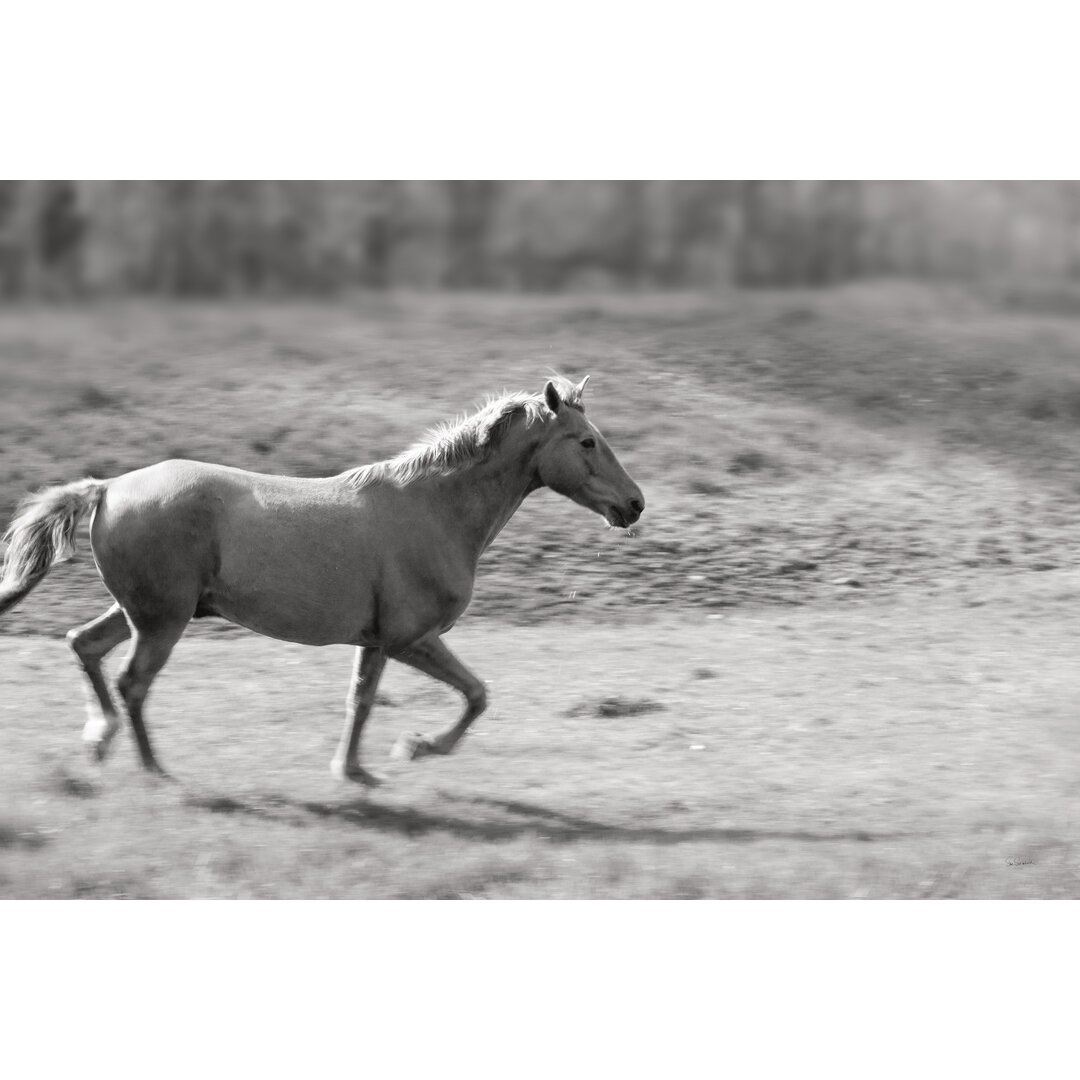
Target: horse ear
(551,396)
(580,388)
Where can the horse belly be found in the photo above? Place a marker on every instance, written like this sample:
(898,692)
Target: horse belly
(306,622)
(372,604)
(314,594)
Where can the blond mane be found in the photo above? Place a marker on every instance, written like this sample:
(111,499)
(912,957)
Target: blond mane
(454,445)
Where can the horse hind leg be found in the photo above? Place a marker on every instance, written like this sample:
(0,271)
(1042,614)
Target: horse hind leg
(149,652)
(91,644)
(433,658)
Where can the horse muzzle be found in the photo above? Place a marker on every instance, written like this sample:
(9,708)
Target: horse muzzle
(621,517)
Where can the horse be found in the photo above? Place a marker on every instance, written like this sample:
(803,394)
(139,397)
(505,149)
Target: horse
(383,556)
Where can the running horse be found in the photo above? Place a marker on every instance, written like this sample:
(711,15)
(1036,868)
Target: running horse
(382,557)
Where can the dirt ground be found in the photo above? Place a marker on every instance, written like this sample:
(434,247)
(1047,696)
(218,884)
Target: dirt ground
(924,748)
(834,658)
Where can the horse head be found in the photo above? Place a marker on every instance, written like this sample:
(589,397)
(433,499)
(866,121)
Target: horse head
(576,461)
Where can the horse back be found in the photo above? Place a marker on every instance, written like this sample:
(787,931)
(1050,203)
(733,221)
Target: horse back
(162,535)
(307,560)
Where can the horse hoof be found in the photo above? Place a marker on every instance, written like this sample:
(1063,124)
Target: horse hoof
(355,774)
(97,737)
(98,749)
(410,746)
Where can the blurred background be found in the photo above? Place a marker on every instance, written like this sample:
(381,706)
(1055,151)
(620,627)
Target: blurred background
(783,364)
(238,237)
(853,408)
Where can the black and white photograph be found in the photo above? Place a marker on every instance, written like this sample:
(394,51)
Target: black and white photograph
(628,539)
(616,468)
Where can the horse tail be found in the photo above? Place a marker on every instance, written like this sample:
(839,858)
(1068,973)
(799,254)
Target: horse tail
(43,533)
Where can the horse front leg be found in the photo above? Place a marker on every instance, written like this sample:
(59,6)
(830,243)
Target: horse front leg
(367,670)
(433,658)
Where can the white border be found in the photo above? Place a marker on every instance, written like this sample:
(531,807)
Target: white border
(540,989)
(941,90)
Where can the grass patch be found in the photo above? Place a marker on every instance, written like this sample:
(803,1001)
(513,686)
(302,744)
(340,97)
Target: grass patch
(1044,397)
(89,398)
(616,706)
(752,461)
(21,836)
(272,441)
(700,485)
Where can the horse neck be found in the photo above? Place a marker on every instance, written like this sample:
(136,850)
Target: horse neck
(484,496)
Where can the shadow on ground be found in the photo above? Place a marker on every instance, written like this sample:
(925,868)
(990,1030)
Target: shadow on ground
(527,819)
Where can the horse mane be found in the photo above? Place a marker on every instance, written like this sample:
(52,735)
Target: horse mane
(453,445)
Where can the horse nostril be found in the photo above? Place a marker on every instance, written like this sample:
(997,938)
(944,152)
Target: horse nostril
(637,505)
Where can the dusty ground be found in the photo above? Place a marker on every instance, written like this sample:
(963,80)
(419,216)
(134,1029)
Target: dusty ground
(854,588)
(900,749)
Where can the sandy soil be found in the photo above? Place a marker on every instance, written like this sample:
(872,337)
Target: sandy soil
(925,748)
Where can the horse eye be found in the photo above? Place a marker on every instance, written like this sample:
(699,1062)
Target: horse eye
(588,443)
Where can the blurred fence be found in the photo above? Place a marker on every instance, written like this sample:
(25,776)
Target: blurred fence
(63,238)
